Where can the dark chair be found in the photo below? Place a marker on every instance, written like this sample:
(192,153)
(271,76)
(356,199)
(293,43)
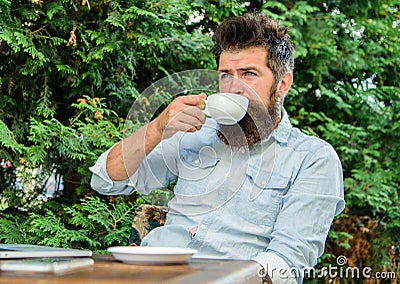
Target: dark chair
(147,217)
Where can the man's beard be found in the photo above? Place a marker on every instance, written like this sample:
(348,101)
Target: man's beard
(256,125)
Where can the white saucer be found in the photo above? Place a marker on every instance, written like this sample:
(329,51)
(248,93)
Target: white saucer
(151,255)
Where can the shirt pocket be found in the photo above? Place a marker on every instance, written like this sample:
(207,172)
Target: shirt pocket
(260,199)
(195,168)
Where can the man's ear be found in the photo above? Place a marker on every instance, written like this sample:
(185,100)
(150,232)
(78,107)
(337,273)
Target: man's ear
(284,84)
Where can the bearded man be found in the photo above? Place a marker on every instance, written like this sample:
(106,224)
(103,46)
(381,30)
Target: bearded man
(259,189)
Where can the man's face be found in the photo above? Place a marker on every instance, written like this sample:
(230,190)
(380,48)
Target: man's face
(245,72)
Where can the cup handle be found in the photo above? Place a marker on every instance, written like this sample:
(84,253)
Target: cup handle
(205,110)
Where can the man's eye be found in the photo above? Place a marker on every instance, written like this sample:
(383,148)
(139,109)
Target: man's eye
(225,76)
(248,73)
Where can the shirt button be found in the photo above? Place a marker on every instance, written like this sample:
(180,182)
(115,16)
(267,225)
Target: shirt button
(264,182)
(243,150)
(227,175)
(219,208)
(203,227)
(197,161)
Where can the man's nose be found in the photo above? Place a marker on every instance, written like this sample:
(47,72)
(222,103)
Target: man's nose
(232,85)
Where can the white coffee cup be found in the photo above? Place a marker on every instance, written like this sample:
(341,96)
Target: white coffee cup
(226,108)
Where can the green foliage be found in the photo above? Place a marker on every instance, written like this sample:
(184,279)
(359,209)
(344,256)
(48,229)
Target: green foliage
(57,53)
(14,229)
(7,139)
(69,74)
(94,224)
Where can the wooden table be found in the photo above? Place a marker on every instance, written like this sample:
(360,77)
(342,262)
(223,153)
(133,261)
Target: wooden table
(107,270)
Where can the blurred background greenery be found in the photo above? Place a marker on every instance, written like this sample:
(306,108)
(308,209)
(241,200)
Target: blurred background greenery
(70,71)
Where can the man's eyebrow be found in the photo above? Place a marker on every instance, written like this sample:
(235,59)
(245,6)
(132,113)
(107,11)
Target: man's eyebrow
(246,68)
(249,68)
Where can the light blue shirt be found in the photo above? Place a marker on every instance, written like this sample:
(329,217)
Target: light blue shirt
(271,203)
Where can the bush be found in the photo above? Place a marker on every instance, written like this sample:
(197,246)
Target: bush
(70,71)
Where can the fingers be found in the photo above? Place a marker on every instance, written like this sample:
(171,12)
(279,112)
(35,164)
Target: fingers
(188,119)
(183,114)
(194,100)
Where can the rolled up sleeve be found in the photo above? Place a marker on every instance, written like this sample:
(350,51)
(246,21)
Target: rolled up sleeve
(155,171)
(103,184)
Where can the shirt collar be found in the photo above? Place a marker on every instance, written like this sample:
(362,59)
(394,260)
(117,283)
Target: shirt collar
(282,132)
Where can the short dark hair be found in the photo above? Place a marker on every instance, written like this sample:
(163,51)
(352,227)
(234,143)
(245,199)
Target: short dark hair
(253,30)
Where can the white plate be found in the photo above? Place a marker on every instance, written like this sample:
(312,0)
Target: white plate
(151,255)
